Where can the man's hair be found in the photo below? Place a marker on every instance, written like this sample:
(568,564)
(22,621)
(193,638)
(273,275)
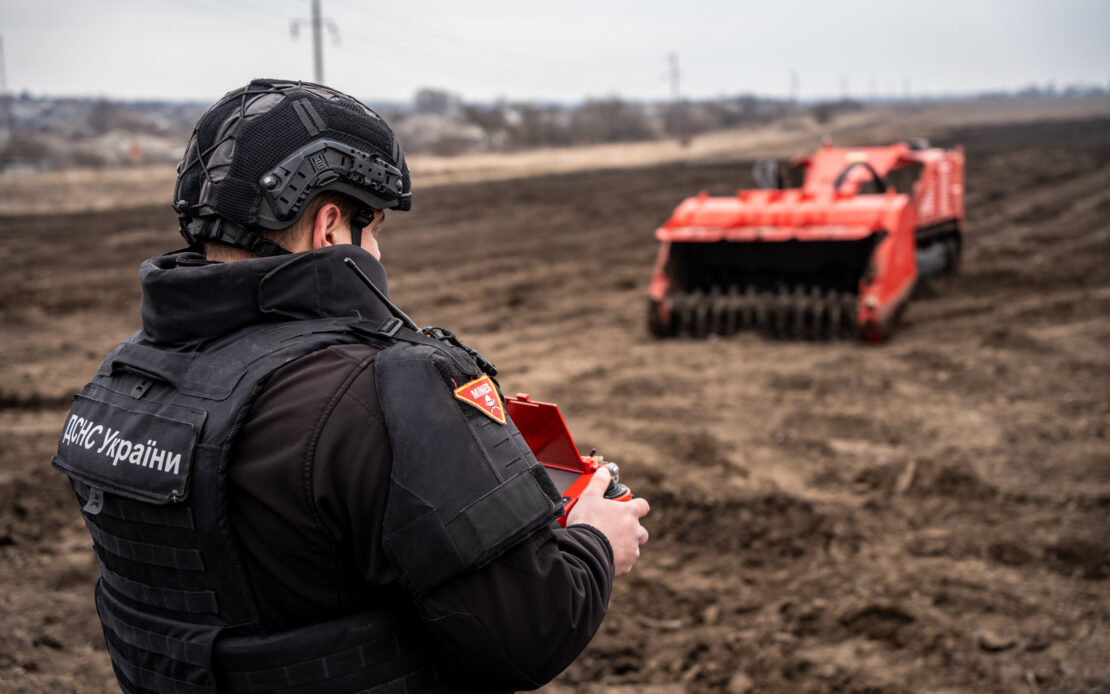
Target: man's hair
(287,237)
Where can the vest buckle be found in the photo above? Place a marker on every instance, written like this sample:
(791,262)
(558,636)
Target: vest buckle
(95,502)
(390,326)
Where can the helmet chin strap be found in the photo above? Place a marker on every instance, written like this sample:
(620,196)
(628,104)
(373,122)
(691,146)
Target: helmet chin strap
(359,222)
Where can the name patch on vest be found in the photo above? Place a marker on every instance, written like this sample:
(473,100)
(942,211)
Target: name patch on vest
(142,455)
(481,393)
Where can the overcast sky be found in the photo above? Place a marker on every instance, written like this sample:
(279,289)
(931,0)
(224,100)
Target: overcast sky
(555,51)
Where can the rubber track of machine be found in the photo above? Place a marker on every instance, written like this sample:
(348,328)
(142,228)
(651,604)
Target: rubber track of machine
(667,329)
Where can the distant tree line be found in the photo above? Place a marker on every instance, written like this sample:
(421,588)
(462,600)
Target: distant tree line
(507,125)
(52,133)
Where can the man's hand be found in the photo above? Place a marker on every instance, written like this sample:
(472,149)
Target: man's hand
(619,521)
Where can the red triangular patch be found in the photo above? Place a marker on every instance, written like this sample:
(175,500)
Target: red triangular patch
(481,393)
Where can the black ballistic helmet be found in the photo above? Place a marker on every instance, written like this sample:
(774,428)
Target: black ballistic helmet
(262,152)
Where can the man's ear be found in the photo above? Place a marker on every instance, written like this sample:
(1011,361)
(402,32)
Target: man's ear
(328,228)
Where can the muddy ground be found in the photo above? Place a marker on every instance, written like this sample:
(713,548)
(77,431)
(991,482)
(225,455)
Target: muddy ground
(931,515)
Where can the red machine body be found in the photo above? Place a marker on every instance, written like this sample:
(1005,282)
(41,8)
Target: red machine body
(547,435)
(833,245)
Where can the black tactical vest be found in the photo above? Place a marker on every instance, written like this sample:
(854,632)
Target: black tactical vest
(146,447)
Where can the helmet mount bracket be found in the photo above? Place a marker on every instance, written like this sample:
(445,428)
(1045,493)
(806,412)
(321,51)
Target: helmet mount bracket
(330,165)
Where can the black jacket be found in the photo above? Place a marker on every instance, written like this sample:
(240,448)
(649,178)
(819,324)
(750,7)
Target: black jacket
(310,477)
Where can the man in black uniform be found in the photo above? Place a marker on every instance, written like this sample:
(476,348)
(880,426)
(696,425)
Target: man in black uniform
(285,488)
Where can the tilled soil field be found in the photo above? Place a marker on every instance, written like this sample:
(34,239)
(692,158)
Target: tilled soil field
(931,515)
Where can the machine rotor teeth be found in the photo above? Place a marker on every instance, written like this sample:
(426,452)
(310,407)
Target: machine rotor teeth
(733,308)
(704,326)
(751,299)
(780,307)
(809,314)
(796,312)
(687,314)
(816,314)
(832,301)
(762,311)
(678,313)
(850,322)
(802,314)
(717,307)
(699,314)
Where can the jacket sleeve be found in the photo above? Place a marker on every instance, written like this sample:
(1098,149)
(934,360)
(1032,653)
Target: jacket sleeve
(515,623)
(521,620)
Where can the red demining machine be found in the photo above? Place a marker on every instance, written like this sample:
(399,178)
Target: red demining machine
(830,246)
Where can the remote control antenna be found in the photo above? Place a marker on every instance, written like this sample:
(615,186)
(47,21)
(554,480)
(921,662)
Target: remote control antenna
(398,313)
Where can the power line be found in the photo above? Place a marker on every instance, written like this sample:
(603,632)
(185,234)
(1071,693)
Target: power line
(239,11)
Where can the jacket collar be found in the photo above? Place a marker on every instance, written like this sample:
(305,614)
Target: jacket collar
(187,298)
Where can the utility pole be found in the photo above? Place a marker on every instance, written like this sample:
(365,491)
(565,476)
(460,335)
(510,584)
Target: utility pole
(795,87)
(5,100)
(676,99)
(317,41)
(316,24)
